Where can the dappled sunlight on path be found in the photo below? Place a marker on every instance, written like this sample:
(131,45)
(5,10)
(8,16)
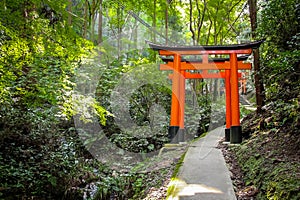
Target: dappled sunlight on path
(178,187)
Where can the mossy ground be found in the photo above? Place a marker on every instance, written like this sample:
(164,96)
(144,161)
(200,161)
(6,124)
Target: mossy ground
(270,156)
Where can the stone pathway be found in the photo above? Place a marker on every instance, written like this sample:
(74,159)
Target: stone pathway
(246,103)
(203,175)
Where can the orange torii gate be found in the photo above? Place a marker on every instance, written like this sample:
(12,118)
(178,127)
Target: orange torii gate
(176,62)
(205,75)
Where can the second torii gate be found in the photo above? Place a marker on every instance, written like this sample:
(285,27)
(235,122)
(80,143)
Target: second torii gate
(231,65)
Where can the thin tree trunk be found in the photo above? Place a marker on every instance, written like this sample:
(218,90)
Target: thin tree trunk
(135,31)
(207,93)
(93,15)
(209,30)
(201,19)
(70,12)
(258,81)
(215,93)
(191,22)
(166,20)
(215,26)
(100,23)
(154,20)
(119,17)
(85,19)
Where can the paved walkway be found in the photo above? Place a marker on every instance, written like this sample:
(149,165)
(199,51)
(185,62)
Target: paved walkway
(203,175)
(246,103)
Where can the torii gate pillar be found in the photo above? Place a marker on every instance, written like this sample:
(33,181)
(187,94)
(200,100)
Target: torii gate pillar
(228,105)
(235,129)
(178,101)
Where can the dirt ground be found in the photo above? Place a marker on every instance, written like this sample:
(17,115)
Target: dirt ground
(242,192)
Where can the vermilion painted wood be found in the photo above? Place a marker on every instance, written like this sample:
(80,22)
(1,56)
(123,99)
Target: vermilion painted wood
(182,99)
(225,75)
(202,66)
(243,82)
(189,75)
(178,86)
(175,115)
(228,98)
(235,109)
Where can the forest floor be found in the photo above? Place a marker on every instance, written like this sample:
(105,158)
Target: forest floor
(242,191)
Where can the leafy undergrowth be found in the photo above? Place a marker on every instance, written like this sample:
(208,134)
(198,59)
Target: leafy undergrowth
(270,156)
(34,166)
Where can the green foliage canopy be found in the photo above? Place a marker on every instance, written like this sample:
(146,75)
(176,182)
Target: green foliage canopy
(279,24)
(38,59)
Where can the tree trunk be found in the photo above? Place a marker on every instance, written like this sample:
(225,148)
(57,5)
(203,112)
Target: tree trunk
(85,19)
(166,20)
(100,23)
(259,87)
(258,81)
(119,17)
(215,92)
(154,20)
(191,23)
(93,20)
(135,31)
(209,30)
(200,19)
(70,12)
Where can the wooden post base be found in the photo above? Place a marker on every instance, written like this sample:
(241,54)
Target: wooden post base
(172,133)
(176,134)
(235,134)
(227,134)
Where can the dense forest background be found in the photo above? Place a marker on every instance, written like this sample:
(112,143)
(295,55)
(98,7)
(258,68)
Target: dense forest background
(61,63)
